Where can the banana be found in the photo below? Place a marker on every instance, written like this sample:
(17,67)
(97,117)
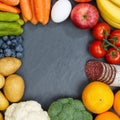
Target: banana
(110,22)
(116,2)
(109,9)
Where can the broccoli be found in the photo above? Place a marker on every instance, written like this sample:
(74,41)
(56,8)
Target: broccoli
(68,109)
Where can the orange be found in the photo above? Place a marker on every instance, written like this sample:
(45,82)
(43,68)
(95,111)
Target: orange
(116,103)
(97,97)
(107,116)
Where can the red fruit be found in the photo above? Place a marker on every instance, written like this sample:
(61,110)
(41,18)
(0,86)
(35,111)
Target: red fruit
(84,15)
(83,0)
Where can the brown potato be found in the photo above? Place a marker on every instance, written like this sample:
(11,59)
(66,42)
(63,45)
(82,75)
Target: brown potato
(2,81)
(3,102)
(9,65)
(14,88)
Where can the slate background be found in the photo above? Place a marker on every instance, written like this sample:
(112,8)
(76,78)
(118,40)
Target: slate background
(54,60)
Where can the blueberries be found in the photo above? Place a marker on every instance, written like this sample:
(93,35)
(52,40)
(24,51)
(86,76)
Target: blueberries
(11,46)
(4,46)
(19,55)
(7,52)
(5,38)
(19,48)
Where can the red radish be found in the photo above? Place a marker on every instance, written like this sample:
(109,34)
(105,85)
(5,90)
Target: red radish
(83,0)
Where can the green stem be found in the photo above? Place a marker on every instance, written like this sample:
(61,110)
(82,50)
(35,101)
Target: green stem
(110,44)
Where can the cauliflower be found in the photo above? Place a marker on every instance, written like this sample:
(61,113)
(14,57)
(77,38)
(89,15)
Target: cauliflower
(28,110)
(68,109)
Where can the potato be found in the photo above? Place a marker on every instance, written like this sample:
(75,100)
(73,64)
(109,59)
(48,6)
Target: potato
(9,65)
(3,102)
(14,88)
(2,81)
(1,116)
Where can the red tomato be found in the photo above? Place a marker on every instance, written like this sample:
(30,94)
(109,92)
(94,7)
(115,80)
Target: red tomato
(96,49)
(100,30)
(113,56)
(115,37)
(83,0)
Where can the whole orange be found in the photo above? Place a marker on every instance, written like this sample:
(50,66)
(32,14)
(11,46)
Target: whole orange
(107,116)
(97,97)
(116,103)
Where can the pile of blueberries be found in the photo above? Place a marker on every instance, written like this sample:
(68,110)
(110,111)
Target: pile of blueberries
(11,46)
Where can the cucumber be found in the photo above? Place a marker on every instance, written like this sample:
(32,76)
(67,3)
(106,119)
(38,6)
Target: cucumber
(11,32)
(8,16)
(9,25)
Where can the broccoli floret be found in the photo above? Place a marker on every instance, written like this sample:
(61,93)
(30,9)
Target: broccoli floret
(68,109)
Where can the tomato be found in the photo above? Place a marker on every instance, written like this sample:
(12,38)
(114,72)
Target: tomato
(100,30)
(113,56)
(115,37)
(83,0)
(96,49)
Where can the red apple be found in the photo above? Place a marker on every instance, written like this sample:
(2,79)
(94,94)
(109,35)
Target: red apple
(83,0)
(84,15)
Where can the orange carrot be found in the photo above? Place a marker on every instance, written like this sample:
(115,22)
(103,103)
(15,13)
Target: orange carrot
(47,8)
(39,10)
(24,19)
(11,2)
(34,18)
(7,8)
(26,9)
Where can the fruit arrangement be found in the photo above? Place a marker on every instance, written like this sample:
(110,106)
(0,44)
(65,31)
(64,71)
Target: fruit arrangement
(97,97)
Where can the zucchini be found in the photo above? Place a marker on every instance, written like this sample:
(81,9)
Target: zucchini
(8,16)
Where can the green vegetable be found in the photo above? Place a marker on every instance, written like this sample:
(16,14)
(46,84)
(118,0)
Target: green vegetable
(9,26)
(8,16)
(11,32)
(68,109)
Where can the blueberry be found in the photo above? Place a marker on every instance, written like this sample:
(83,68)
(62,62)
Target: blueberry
(9,42)
(19,55)
(14,41)
(1,42)
(4,45)
(13,46)
(12,37)
(1,51)
(1,55)
(19,48)
(19,39)
(7,52)
(5,38)
(13,53)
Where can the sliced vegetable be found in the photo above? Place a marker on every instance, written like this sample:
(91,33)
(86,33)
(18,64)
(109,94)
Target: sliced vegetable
(11,2)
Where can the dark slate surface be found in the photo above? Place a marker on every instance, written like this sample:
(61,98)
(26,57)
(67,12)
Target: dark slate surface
(54,59)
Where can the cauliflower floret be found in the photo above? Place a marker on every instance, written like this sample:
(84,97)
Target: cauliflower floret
(28,110)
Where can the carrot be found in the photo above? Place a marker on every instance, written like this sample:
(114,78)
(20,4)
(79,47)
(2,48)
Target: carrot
(24,19)
(39,10)
(34,18)
(47,8)
(7,8)
(11,2)
(26,9)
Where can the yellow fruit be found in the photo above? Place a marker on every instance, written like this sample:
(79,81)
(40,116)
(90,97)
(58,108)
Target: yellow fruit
(116,103)
(3,102)
(107,116)
(9,65)
(110,21)
(97,97)
(116,2)
(109,9)
(14,88)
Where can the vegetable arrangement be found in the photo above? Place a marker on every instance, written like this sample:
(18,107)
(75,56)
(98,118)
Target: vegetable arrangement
(13,15)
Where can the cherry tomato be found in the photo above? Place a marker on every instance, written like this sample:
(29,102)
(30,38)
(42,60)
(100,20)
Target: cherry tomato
(113,56)
(101,30)
(115,37)
(96,49)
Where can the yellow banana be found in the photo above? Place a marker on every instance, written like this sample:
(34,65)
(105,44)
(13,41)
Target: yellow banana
(110,22)
(109,9)
(116,2)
